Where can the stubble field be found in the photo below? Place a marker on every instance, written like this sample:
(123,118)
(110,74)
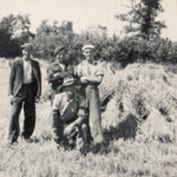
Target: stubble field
(137,146)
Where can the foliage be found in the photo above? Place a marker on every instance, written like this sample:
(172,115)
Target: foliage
(133,49)
(141,19)
(14,31)
(48,37)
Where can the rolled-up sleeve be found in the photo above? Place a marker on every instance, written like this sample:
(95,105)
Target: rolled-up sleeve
(99,71)
(56,103)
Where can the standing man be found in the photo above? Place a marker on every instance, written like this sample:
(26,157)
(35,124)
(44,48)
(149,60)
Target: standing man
(57,70)
(24,91)
(91,76)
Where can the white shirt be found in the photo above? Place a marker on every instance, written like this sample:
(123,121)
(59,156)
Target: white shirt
(87,69)
(27,72)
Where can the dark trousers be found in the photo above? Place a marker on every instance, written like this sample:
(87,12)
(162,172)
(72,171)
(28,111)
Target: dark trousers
(26,100)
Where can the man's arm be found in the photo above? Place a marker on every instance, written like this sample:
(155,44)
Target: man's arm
(40,77)
(56,72)
(92,79)
(40,82)
(11,79)
(78,122)
(58,75)
(55,113)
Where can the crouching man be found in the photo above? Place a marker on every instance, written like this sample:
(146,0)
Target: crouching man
(69,120)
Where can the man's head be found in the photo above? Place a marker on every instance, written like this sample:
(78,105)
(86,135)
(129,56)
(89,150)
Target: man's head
(59,53)
(68,86)
(88,51)
(27,49)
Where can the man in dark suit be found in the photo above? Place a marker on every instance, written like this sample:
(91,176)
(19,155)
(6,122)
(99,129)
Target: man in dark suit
(24,90)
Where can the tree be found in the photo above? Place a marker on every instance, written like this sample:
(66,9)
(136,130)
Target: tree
(98,35)
(48,37)
(142,20)
(14,31)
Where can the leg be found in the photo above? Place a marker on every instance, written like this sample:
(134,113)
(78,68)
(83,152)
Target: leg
(95,115)
(14,127)
(71,139)
(83,134)
(58,128)
(52,95)
(29,118)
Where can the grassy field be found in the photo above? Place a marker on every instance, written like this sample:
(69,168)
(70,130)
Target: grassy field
(126,156)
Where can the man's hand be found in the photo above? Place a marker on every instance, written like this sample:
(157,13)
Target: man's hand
(37,99)
(70,129)
(84,80)
(11,98)
(56,74)
(60,74)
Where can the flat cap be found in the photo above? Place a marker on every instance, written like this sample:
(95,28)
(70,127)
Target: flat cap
(27,46)
(88,46)
(68,82)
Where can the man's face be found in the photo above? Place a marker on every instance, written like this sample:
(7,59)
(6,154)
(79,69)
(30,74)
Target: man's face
(60,56)
(88,54)
(26,52)
(70,91)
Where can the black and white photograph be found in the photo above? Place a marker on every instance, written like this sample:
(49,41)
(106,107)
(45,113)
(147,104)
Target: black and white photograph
(88,88)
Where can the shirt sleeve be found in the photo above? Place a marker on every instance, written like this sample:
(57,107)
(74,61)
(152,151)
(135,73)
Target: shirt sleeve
(78,71)
(56,103)
(99,71)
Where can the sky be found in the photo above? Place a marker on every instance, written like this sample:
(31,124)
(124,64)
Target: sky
(85,13)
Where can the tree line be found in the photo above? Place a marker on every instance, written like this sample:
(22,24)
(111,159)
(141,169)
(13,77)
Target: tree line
(140,41)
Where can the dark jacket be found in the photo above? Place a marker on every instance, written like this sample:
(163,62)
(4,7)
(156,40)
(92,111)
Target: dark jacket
(56,74)
(16,77)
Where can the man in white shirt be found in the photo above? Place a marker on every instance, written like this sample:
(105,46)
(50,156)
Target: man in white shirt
(91,76)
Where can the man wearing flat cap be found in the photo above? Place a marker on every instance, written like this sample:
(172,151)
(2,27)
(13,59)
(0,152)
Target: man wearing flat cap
(24,91)
(57,70)
(91,76)
(69,120)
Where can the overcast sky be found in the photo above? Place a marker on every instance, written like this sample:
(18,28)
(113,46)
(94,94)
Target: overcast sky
(84,13)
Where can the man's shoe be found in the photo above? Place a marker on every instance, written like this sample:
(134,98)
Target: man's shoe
(26,140)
